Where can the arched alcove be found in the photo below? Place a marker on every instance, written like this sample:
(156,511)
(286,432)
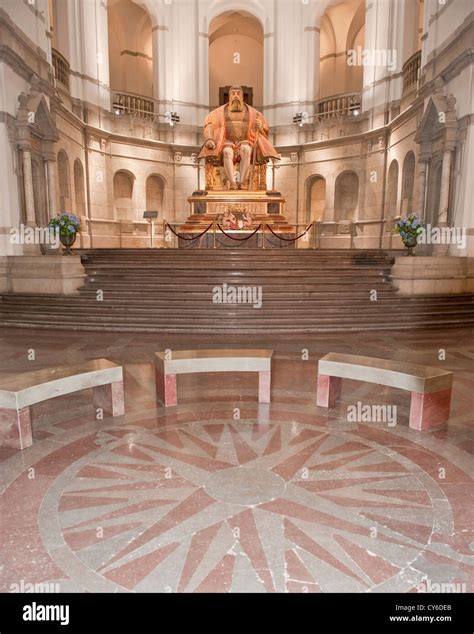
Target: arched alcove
(123,192)
(130,48)
(154,193)
(408,182)
(392,190)
(346,197)
(235,54)
(342,29)
(63,182)
(79,191)
(316,198)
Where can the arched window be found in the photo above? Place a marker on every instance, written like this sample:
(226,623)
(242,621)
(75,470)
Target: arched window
(63,180)
(235,55)
(79,191)
(408,181)
(392,190)
(123,191)
(154,193)
(346,199)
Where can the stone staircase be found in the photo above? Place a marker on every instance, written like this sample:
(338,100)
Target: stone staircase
(171,290)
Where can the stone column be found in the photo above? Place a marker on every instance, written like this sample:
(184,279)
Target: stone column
(422,174)
(309,73)
(52,193)
(445,182)
(443,249)
(28,185)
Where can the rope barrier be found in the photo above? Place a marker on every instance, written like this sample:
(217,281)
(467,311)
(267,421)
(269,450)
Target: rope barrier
(239,239)
(178,235)
(291,239)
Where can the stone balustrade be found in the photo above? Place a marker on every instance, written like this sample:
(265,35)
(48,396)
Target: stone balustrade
(342,105)
(61,68)
(131,104)
(411,70)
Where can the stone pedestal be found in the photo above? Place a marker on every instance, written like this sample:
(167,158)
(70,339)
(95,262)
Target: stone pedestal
(430,275)
(3,274)
(48,274)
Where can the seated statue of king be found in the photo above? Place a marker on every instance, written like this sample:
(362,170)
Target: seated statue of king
(237,133)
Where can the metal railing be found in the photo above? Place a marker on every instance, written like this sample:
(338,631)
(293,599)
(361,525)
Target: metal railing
(61,68)
(411,70)
(128,103)
(342,105)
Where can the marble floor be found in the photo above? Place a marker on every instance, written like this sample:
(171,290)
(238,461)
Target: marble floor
(224,494)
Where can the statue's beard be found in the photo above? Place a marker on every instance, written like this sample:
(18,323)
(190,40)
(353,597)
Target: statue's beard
(236,105)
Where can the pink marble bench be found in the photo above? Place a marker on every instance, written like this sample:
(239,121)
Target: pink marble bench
(19,391)
(225,360)
(430,387)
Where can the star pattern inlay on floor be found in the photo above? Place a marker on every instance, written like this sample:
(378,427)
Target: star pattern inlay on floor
(286,497)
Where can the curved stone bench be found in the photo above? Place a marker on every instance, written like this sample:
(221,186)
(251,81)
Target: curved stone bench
(168,365)
(19,391)
(430,387)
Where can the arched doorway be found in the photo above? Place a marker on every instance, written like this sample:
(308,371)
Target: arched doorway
(236,55)
(346,198)
(123,191)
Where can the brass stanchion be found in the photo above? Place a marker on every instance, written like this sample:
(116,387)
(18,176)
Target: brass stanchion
(214,233)
(314,234)
(263,236)
(164,234)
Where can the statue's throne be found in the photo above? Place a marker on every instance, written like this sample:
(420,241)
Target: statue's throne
(216,179)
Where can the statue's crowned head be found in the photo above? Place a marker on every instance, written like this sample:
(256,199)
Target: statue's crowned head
(236,99)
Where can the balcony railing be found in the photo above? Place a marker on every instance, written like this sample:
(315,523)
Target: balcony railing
(342,105)
(128,103)
(61,68)
(411,69)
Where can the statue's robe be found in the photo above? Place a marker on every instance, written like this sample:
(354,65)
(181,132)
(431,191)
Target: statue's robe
(215,129)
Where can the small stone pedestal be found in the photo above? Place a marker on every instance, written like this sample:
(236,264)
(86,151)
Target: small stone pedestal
(433,275)
(45,274)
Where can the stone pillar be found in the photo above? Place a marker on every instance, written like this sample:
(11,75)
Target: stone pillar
(28,186)
(309,74)
(422,174)
(443,249)
(445,182)
(52,193)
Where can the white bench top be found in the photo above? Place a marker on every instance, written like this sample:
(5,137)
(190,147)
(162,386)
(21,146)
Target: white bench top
(215,360)
(27,388)
(406,376)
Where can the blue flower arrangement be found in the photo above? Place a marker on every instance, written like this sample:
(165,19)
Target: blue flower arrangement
(68,224)
(409,229)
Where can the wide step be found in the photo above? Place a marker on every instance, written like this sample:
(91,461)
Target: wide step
(172,290)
